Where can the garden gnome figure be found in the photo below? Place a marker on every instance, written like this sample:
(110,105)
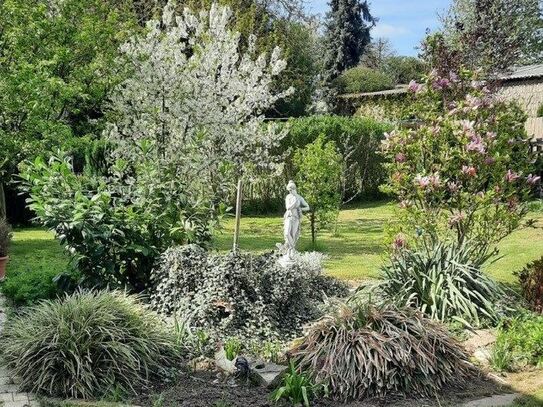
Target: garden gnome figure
(295,205)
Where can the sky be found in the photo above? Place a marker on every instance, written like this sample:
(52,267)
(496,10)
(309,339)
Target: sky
(403,22)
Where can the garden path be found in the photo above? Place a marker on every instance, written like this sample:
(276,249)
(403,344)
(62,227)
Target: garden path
(10,396)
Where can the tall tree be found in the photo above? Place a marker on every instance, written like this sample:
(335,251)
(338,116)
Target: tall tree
(348,25)
(494,35)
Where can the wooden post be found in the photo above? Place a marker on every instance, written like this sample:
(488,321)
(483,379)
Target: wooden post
(238,218)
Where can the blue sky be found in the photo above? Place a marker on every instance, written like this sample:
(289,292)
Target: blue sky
(403,22)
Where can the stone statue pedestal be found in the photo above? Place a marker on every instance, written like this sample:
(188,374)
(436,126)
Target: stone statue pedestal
(286,261)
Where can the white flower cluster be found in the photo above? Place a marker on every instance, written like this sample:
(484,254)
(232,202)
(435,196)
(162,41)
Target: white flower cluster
(238,294)
(195,98)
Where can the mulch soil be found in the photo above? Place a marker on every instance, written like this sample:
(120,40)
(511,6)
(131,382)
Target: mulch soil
(202,389)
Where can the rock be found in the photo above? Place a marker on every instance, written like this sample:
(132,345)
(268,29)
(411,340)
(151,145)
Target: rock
(493,401)
(201,363)
(266,374)
(481,338)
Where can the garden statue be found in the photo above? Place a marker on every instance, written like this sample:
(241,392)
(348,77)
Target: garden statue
(295,205)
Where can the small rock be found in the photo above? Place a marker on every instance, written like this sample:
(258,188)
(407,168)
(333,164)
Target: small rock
(481,338)
(201,363)
(482,355)
(267,374)
(494,401)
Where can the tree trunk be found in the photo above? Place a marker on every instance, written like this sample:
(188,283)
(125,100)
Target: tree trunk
(313,231)
(3,210)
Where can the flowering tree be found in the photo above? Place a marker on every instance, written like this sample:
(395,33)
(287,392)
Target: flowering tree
(195,100)
(462,170)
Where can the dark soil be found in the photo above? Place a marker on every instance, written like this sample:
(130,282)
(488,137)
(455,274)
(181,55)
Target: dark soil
(203,390)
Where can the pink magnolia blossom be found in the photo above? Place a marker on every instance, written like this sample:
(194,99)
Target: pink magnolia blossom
(414,87)
(533,179)
(435,180)
(422,181)
(399,241)
(511,176)
(476,144)
(456,218)
(400,158)
(469,170)
(453,186)
(490,160)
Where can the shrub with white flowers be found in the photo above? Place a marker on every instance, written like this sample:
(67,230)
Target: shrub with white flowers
(196,99)
(238,294)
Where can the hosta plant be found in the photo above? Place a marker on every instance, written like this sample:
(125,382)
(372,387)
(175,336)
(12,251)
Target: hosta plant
(376,351)
(89,344)
(444,281)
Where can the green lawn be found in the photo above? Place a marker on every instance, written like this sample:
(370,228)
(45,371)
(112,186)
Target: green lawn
(355,249)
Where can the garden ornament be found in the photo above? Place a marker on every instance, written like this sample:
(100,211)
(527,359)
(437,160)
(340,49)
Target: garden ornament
(295,205)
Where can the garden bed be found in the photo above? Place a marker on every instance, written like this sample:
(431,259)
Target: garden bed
(202,389)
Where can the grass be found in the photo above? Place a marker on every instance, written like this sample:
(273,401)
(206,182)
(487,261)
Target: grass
(355,247)
(35,258)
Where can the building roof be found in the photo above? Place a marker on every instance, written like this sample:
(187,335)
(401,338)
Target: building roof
(525,72)
(399,89)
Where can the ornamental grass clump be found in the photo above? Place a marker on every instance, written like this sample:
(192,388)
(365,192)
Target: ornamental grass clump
(445,282)
(89,345)
(378,351)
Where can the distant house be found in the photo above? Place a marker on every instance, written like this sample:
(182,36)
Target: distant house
(525,86)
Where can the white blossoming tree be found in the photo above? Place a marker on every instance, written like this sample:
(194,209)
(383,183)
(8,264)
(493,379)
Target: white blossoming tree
(195,100)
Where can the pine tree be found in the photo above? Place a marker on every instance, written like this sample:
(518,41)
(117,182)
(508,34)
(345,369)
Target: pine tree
(348,25)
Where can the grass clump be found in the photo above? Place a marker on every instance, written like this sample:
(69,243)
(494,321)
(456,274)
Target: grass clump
(445,282)
(377,351)
(89,345)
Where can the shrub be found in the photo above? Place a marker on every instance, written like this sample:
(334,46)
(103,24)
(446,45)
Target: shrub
(371,351)
(540,110)
(519,343)
(237,294)
(87,345)
(319,170)
(531,284)
(462,169)
(444,281)
(362,79)
(30,286)
(5,237)
(115,227)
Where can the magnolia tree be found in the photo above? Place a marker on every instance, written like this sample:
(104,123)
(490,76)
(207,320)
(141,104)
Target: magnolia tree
(461,171)
(195,100)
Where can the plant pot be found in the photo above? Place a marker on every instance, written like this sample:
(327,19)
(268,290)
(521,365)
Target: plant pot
(3,263)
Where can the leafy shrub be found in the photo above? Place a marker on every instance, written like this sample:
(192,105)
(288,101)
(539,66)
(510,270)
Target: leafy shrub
(369,351)
(519,343)
(444,281)
(319,170)
(88,345)
(531,284)
(5,237)
(296,387)
(476,180)
(238,294)
(30,286)
(362,79)
(357,140)
(115,227)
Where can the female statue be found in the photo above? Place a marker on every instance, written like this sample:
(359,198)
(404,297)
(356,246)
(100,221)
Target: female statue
(295,205)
